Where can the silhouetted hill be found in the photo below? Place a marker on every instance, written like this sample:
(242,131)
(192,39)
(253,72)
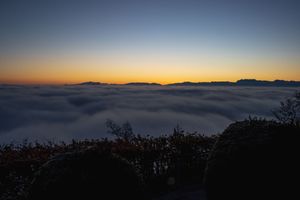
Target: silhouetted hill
(214,83)
(243,82)
(143,84)
(91,83)
(131,83)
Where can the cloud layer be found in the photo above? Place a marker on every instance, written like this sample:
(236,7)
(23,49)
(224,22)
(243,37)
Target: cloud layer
(79,112)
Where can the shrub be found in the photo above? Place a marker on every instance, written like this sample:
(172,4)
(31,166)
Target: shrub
(289,111)
(254,159)
(86,175)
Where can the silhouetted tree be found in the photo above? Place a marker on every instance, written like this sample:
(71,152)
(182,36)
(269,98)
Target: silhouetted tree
(125,131)
(178,130)
(289,111)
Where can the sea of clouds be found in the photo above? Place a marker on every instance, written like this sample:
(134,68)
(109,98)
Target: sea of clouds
(79,112)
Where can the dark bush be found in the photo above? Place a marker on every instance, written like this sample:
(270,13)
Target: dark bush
(86,175)
(254,159)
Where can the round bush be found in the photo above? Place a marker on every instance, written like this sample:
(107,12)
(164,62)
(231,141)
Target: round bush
(254,159)
(86,175)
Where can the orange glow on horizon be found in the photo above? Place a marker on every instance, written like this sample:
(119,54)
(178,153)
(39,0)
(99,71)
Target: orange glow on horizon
(120,70)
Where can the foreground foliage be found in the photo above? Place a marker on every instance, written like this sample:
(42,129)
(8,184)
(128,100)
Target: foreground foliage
(254,159)
(164,162)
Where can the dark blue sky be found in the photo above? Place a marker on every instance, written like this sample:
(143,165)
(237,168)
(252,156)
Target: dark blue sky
(217,29)
(99,21)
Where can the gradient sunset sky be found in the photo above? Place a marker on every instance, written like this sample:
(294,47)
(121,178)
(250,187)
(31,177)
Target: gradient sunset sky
(161,41)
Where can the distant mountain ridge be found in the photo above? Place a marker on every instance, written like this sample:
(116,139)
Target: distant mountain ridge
(91,83)
(142,84)
(131,83)
(241,82)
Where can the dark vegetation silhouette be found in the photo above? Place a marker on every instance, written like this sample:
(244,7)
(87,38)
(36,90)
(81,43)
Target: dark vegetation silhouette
(179,157)
(251,159)
(122,132)
(254,159)
(289,111)
(88,174)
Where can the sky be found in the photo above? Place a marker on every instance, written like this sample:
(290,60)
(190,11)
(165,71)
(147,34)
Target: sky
(165,41)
